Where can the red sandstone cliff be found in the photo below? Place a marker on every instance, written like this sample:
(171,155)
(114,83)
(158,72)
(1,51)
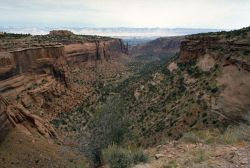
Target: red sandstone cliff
(32,74)
(230,52)
(97,50)
(158,47)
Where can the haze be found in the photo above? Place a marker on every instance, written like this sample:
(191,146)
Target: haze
(223,14)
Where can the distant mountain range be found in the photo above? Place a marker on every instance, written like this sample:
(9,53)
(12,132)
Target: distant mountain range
(131,35)
(114,32)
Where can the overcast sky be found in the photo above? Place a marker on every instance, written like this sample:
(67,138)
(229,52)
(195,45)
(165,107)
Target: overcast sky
(225,14)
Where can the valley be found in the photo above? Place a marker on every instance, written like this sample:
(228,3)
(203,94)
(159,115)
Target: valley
(81,101)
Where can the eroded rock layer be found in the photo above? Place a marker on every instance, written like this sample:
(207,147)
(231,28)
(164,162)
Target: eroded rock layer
(159,47)
(36,71)
(230,51)
(93,51)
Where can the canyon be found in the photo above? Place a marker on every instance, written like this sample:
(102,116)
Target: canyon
(57,91)
(32,73)
(36,74)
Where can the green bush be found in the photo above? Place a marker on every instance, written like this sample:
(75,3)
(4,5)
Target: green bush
(190,137)
(236,134)
(139,156)
(200,155)
(246,53)
(108,126)
(194,71)
(233,134)
(117,157)
(200,136)
(213,88)
(160,126)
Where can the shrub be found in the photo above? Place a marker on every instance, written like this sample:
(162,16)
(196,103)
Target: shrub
(56,123)
(247,53)
(236,134)
(109,125)
(117,157)
(139,156)
(200,155)
(183,66)
(201,136)
(213,88)
(170,164)
(194,71)
(160,126)
(233,134)
(190,137)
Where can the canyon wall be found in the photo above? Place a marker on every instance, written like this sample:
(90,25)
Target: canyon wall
(231,55)
(194,46)
(158,47)
(94,51)
(20,66)
(31,77)
(21,70)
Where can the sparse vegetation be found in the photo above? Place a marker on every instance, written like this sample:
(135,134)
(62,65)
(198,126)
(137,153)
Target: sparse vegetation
(200,155)
(241,33)
(118,157)
(171,164)
(108,126)
(233,134)
(153,104)
(139,156)
(213,88)
(13,35)
(190,137)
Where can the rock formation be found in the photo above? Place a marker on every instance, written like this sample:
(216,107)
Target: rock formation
(60,33)
(91,51)
(158,47)
(35,70)
(5,122)
(232,55)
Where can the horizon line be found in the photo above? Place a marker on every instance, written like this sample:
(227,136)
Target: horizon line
(118,27)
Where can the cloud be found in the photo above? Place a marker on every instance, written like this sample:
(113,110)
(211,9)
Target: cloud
(126,13)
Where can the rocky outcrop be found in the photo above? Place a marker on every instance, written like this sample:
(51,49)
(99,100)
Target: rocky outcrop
(20,66)
(20,70)
(17,67)
(16,114)
(231,56)
(35,71)
(233,51)
(158,47)
(94,51)
(36,60)
(60,33)
(192,48)
(5,122)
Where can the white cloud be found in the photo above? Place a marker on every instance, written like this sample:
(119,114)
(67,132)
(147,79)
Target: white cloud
(127,13)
